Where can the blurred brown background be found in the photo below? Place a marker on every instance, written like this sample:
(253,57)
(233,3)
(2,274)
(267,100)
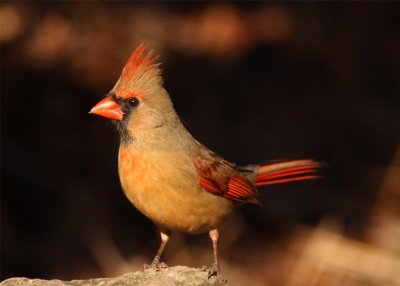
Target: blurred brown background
(253,82)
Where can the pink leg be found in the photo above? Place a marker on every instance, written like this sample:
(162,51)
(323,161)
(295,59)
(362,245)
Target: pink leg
(214,270)
(165,235)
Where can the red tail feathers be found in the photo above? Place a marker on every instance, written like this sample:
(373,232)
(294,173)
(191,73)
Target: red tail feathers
(289,171)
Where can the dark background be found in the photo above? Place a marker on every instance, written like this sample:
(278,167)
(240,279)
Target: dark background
(252,81)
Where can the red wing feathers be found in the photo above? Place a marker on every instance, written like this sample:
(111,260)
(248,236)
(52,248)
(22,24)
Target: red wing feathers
(221,178)
(287,172)
(224,179)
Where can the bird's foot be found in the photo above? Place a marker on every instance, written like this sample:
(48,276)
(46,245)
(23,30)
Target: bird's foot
(214,271)
(162,265)
(156,265)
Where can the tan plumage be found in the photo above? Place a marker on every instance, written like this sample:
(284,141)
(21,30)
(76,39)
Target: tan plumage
(166,174)
(172,199)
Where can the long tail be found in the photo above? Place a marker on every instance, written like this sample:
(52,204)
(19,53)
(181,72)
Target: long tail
(288,171)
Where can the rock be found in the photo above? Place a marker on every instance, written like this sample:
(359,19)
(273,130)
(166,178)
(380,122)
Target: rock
(178,275)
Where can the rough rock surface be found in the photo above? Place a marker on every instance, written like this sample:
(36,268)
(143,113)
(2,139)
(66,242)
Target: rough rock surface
(178,275)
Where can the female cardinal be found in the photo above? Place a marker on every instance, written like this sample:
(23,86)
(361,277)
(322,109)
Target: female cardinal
(168,175)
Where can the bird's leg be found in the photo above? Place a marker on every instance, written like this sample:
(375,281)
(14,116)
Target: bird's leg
(214,270)
(165,235)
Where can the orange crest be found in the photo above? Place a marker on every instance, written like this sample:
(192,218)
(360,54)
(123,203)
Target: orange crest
(138,64)
(138,60)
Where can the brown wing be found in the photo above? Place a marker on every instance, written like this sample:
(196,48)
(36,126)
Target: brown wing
(221,178)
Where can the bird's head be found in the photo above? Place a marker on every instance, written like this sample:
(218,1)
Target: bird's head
(138,100)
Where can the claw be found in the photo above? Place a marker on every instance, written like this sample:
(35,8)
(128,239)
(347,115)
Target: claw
(156,265)
(214,271)
(146,266)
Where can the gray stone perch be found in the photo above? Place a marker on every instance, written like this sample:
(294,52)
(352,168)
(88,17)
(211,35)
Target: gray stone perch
(177,276)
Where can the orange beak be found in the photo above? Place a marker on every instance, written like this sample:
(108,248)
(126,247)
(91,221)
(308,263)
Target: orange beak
(108,108)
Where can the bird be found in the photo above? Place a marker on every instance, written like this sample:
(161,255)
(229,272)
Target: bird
(169,176)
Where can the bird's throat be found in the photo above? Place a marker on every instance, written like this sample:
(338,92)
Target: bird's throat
(124,134)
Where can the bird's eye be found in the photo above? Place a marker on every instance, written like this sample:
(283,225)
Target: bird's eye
(133,101)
